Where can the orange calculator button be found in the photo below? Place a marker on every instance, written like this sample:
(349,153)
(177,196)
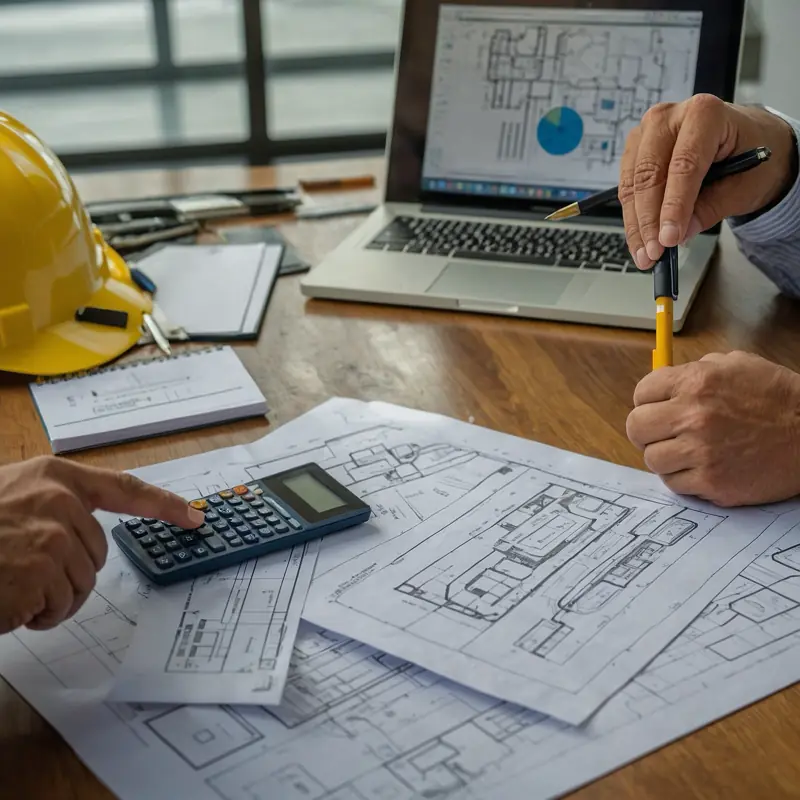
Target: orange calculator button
(200,505)
(240,489)
(226,495)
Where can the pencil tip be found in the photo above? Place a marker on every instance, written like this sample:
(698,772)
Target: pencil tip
(564,213)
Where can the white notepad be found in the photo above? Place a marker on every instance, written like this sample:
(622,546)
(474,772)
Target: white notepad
(147,398)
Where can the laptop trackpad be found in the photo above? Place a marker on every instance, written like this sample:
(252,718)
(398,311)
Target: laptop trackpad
(513,285)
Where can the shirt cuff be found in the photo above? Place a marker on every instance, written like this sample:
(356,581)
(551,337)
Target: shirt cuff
(781,222)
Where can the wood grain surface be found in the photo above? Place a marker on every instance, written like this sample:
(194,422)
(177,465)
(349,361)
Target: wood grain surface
(565,385)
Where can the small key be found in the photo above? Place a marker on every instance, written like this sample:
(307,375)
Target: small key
(157,551)
(215,545)
(148,541)
(250,538)
(200,551)
(188,539)
(165,562)
(182,556)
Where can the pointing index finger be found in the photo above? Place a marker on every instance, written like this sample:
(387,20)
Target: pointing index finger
(123,493)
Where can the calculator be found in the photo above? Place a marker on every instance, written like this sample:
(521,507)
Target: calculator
(243,522)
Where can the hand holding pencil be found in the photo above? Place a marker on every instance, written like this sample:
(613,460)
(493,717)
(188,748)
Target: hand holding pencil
(686,167)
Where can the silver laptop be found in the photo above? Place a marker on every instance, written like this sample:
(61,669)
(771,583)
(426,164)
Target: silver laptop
(506,111)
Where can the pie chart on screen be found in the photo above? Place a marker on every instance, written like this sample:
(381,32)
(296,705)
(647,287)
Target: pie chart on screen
(560,131)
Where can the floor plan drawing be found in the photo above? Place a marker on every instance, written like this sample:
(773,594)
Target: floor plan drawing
(543,594)
(547,96)
(225,637)
(359,723)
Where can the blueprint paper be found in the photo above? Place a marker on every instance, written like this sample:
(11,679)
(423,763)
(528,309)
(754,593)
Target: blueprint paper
(226,637)
(551,582)
(357,724)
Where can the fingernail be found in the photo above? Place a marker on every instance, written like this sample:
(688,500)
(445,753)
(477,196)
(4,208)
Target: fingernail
(670,234)
(197,517)
(654,250)
(695,227)
(643,261)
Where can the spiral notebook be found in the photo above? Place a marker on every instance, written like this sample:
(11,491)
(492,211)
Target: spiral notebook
(147,398)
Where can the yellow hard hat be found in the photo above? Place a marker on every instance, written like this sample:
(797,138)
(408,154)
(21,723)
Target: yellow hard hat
(58,276)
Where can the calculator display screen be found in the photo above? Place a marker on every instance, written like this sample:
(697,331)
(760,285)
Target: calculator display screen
(313,492)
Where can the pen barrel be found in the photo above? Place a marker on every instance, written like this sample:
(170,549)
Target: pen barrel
(663,355)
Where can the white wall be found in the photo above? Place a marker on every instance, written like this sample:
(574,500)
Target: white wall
(780,23)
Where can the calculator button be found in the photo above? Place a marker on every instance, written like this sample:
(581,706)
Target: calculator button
(228,535)
(234,520)
(281,528)
(212,516)
(176,529)
(258,490)
(250,538)
(150,521)
(220,526)
(148,541)
(248,498)
(133,524)
(182,556)
(237,542)
(294,523)
(173,546)
(250,516)
(242,529)
(265,532)
(200,551)
(156,526)
(235,501)
(188,539)
(215,545)
(200,505)
(165,562)
(240,490)
(227,494)
(227,512)
(257,504)
(205,530)
(216,500)
(164,536)
(272,519)
(155,552)
(141,532)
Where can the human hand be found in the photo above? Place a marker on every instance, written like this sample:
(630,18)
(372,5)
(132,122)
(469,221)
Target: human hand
(725,429)
(667,157)
(51,547)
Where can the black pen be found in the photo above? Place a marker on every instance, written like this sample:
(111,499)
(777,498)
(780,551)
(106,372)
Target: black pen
(721,169)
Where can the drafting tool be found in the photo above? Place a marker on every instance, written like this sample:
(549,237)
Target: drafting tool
(243,522)
(665,290)
(157,334)
(721,169)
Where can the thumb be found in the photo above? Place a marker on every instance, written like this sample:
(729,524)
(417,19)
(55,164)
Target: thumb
(123,493)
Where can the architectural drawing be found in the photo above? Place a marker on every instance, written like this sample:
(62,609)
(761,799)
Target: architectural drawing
(547,96)
(225,637)
(540,593)
(357,723)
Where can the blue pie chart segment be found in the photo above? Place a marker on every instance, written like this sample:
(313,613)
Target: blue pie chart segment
(560,131)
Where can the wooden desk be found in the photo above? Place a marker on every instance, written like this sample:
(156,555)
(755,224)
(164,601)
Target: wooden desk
(565,385)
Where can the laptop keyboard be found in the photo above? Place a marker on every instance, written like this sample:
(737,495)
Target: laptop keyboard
(550,246)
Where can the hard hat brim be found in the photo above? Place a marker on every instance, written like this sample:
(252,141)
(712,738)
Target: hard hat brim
(74,346)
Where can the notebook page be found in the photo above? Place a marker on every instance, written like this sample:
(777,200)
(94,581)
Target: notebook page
(148,397)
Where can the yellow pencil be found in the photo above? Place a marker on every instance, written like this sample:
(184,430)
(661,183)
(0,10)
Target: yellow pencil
(665,286)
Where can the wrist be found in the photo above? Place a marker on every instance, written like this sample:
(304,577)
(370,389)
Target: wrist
(783,167)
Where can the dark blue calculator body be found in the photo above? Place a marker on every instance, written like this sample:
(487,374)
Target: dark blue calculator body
(243,522)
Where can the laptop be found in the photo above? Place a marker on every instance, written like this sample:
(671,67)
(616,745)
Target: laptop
(506,111)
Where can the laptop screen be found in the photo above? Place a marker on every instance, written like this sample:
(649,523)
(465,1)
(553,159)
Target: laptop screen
(532,102)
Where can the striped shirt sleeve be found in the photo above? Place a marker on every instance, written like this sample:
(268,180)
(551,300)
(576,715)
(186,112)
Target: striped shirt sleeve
(772,241)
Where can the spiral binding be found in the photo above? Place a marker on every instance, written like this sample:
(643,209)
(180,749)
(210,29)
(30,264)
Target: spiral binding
(46,381)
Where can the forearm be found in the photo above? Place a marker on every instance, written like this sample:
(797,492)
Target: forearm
(771,241)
